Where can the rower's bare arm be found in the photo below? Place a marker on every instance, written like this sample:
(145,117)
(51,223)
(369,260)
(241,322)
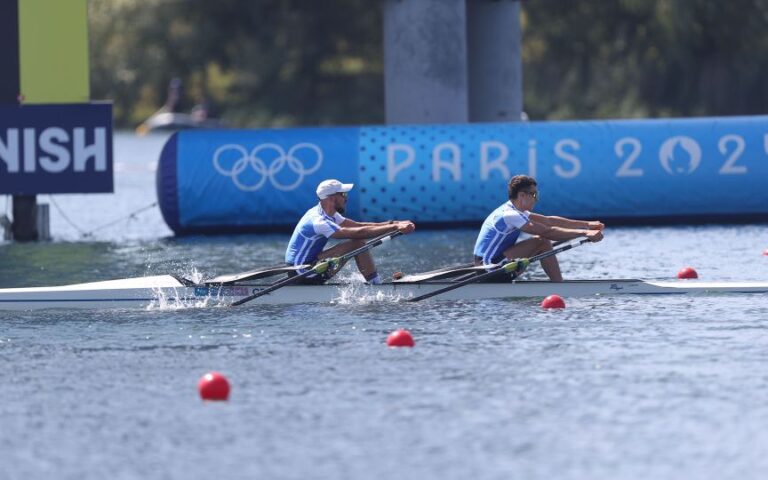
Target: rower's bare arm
(556,233)
(352,223)
(540,219)
(348,222)
(405,226)
(555,221)
(370,231)
(361,232)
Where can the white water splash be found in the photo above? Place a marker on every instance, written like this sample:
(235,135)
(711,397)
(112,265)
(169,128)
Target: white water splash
(355,292)
(194,274)
(178,300)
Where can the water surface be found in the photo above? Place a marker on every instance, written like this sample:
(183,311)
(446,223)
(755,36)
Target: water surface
(612,387)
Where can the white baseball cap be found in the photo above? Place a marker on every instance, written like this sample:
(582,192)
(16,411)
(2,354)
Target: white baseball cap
(332,187)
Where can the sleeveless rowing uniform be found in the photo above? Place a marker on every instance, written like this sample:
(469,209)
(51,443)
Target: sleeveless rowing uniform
(310,236)
(499,232)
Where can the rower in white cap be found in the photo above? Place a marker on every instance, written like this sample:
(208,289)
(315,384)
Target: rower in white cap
(325,221)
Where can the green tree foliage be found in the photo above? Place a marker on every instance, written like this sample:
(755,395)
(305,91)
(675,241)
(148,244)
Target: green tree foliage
(293,62)
(260,62)
(644,58)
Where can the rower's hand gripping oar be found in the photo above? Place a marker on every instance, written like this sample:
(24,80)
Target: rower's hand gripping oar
(511,267)
(320,267)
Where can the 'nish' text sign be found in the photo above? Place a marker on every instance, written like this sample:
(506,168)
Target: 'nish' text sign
(56,149)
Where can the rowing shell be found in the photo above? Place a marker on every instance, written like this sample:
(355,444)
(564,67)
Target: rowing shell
(167,290)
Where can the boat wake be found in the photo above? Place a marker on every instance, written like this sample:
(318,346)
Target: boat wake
(355,292)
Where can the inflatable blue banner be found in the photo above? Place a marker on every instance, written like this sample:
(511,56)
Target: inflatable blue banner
(682,169)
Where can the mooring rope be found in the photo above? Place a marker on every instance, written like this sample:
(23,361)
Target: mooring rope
(86,234)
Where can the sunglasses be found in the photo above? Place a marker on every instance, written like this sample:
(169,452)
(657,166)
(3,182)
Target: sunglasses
(535,195)
(343,194)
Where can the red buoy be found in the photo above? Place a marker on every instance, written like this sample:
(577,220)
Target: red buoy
(687,273)
(213,386)
(553,301)
(400,338)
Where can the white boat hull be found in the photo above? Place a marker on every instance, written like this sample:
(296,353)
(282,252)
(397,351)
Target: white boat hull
(167,291)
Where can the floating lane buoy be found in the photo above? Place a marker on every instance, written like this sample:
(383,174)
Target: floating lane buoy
(687,273)
(213,387)
(553,301)
(400,338)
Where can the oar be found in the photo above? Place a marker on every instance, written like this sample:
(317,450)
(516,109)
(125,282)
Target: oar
(469,269)
(320,267)
(505,266)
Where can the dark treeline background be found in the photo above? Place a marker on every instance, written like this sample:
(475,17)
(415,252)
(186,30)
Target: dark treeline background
(305,62)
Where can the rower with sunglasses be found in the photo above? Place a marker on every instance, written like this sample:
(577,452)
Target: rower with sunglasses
(324,221)
(498,235)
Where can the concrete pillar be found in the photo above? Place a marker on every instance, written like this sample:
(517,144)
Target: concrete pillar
(425,61)
(495,66)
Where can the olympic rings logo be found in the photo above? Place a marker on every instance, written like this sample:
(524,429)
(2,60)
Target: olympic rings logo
(250,171)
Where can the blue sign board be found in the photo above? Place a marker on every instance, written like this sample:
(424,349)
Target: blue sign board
(701,168)
(587,169)
(226,179)
(56,149)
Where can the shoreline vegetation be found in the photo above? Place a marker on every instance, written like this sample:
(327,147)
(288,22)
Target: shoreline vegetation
(277,63)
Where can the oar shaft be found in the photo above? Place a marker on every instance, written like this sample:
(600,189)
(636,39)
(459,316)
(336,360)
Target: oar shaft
(273,287)
(319,267)
(496,270)
(555,251)
(372,243)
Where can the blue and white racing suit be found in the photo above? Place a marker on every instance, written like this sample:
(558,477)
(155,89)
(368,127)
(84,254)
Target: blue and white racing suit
(310,236)
(499,232)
